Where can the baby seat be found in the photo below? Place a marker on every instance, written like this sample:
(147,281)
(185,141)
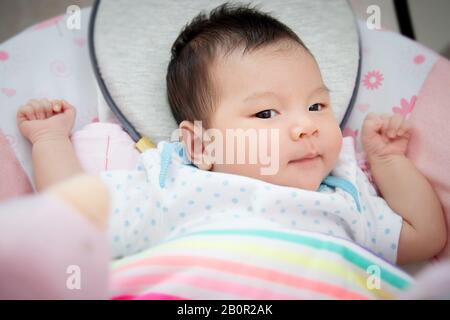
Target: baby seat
(366,70)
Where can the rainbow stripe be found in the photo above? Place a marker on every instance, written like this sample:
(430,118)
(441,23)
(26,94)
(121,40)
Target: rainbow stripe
(254,264)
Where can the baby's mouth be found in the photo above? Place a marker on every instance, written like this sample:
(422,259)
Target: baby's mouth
(309,159)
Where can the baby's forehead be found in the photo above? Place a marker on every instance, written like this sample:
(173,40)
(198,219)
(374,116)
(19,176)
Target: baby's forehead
(286,47)
(281,60)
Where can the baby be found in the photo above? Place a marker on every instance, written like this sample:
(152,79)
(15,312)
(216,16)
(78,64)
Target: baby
(240,70)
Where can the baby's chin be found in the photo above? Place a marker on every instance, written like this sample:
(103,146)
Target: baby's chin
(308,178)
(299,183)
(309,185)
(305,180)
(310,182)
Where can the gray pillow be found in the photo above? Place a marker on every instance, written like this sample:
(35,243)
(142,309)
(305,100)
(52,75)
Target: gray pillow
(132,41)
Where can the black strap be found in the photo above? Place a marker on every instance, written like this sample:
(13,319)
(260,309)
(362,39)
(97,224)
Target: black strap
(126,125)
(404,18)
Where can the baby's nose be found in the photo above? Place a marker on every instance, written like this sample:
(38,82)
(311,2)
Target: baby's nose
(306,129)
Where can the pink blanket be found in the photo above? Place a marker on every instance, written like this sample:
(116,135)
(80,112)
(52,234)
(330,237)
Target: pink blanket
(50,253)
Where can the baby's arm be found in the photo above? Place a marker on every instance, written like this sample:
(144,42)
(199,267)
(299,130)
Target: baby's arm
(404,188)
(47,125)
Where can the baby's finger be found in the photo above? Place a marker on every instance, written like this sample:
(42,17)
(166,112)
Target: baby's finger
(385,119)
(35,104)
(404,128)
(32,102)
(24,113)
(372,117)
(57,106)
(31,108)
(66,105)
(48,107)
(68,108)
(394,124)
(40,112)
(372,124)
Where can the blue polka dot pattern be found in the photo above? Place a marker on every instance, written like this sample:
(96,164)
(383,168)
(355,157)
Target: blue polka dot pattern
(141,215)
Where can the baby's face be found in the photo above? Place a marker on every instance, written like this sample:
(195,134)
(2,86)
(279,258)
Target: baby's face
(277,88)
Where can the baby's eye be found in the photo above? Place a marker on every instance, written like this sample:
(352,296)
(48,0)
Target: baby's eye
(316,107)
(266,114)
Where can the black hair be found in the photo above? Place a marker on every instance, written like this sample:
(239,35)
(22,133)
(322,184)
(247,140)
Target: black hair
(190,89)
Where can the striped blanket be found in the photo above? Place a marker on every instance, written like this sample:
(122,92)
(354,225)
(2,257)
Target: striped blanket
(256,264)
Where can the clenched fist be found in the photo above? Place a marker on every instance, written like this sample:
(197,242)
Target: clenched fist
(44,118)
(384,135)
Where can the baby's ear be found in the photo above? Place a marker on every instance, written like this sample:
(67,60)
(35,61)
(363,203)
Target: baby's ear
(192,137)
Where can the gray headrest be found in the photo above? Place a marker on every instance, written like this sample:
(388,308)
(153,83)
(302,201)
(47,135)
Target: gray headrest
(132,41)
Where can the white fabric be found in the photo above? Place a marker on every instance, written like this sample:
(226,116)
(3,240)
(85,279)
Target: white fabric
(134,67)
(143,214)
(47,60)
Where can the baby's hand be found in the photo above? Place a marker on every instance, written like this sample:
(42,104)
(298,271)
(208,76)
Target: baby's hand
(384,135)
(44,118)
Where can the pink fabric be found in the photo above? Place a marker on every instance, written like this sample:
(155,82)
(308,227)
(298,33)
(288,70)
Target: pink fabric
(363,163)
(150,296)
(38,246)
(432,283)
(429,146)
(104,146)
(13,179)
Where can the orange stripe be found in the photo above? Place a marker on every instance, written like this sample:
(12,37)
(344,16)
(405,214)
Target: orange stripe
(245,270)
(240,290)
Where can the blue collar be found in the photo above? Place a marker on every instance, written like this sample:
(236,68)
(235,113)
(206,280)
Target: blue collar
(333,182)
(166,159)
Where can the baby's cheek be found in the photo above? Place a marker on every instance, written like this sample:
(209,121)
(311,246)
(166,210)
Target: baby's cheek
(248,170)
(334,145)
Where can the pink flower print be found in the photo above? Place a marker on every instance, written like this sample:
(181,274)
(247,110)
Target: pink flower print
(419,59)
(407,106)
(3,55)
(48,23)
(60,69)
(373,80)
(9,92)
(80,41)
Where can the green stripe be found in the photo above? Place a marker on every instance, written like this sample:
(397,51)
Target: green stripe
(348,254)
